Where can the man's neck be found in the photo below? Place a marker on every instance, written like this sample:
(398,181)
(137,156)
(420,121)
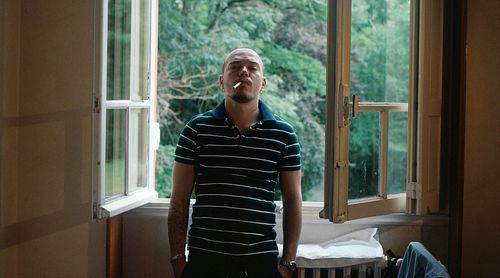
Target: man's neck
(243,115)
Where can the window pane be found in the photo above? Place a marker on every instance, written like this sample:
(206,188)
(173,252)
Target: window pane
(398,151)
(380,34)
(140,49)
(116,121)
(128,49)
(138,164)
(364,148)
(119,27)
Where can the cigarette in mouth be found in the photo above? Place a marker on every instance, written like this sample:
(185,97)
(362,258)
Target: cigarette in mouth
(236,85)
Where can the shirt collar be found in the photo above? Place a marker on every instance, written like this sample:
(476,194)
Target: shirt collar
(265,112)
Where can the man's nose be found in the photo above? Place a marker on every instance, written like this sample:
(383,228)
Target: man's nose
(244,71)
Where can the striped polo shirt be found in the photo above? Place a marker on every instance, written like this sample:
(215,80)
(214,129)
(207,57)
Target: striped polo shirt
(235,179)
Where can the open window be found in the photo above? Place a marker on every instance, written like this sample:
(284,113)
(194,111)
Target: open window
(124,123)
(317,55)
(382,147)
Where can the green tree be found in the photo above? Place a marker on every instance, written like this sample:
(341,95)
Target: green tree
(195,36)
(379,73)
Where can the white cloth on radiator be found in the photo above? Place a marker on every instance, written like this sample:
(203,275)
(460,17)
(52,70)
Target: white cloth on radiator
(354,248)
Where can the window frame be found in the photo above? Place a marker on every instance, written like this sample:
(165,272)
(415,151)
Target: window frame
(425,90)
(423,192)
(108,207)
(425,69)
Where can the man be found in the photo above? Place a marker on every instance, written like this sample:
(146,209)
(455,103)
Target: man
(232,156)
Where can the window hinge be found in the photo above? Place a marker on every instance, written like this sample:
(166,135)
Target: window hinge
(413,191)
(97,105)
(341,164)
(96,209)
(343,109)
(341,217)
(148,89)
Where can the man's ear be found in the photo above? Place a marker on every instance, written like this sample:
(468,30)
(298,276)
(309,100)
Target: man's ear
(264,83)
(221,82)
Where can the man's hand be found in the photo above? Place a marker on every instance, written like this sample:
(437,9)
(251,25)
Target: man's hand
(285,272)
(178,267)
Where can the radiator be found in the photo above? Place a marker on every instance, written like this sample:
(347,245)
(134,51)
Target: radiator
(365,270)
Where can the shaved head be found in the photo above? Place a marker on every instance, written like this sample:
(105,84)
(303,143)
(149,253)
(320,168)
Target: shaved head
(239,50)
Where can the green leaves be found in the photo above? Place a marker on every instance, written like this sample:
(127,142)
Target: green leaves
(194,39)
(196,35)
(299,72)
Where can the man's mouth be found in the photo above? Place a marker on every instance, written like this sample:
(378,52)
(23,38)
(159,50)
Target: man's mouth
(241,82)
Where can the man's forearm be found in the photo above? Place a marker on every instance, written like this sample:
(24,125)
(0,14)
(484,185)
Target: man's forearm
(292,213)
(292,224)
(178,214)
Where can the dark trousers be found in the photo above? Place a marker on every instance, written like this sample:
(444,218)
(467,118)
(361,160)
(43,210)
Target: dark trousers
(210,265)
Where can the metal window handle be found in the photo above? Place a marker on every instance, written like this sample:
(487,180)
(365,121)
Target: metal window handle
(345,106)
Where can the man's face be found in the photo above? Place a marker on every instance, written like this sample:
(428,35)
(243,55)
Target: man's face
(243,66)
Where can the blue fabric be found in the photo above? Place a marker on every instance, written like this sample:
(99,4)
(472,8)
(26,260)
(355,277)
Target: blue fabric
(418,262)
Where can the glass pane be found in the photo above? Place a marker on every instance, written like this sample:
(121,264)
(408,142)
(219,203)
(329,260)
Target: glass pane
(116,121)
(364,148)
(140,49)
(138,164)
(380,34)
(128,49)
(119,39)
(398,152)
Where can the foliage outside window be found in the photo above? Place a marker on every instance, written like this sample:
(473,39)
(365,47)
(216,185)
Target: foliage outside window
(195,36)
(380,34)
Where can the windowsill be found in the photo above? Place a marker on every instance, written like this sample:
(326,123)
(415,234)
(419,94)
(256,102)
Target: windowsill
(126,203)
(310,214)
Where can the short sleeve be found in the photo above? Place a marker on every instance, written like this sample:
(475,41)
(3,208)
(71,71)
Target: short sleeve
(185,151)
(291,154)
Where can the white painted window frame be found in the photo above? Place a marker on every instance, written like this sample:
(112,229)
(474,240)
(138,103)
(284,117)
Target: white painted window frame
(108,207)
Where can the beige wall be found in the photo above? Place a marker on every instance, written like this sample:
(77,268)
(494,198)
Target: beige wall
(45,141)
(46,82)
(481,220)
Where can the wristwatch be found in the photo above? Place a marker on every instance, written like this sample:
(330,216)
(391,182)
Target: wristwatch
(289,264)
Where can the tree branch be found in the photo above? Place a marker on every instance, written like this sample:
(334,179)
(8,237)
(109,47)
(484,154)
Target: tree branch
(219,12)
